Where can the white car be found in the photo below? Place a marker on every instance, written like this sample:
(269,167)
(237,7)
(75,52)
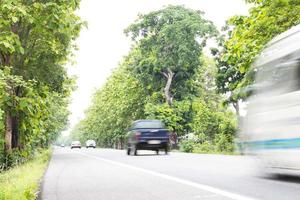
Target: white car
(90,143)
(76,144)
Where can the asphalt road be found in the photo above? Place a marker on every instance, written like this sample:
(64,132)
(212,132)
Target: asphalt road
(105,174)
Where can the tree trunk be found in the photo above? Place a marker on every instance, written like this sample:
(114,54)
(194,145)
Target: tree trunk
(11,136)
(8,132)
(8,117)
(15,123)
(169,76)
(15,132)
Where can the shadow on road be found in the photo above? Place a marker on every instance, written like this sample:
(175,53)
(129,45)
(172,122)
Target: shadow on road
(285,178)
(147,154)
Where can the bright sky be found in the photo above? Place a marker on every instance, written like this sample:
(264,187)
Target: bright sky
(103,45)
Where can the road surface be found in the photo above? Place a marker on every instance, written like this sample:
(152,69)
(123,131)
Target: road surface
(106,174)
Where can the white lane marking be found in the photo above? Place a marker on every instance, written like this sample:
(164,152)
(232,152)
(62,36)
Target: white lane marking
(172,178)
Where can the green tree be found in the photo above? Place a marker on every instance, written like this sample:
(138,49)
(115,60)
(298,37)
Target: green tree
(247,37)
(169,43)
(228,76)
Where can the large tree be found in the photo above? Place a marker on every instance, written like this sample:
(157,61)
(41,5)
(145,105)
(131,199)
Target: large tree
(169,43)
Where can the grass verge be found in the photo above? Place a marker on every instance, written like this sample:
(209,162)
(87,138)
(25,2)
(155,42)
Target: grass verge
(22,182)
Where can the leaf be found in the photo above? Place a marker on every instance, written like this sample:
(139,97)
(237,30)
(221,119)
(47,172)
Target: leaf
(14,19)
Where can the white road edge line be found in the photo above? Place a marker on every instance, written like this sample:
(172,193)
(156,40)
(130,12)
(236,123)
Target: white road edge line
(172,178)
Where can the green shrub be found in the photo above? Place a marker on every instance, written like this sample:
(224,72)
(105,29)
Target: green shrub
(205,147)
(187,146)
(224,143)
(171,116)
(215,129)
(17,157)
(205,120)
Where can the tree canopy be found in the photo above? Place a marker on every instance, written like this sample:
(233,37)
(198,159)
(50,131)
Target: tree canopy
(169,43)
(244,39)
(36,41)
(119,102)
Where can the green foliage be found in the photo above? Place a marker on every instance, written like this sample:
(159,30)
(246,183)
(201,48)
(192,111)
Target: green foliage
(175,117)
(120,101)
(221,144)
(123,100)
(205,147)
(187,146)
(169,43)
(224,143)
(22,182)
(36,41)
(38,34)
(245,38)
(30,192)
(40,118)
(166,45)
(205,121)
(213,131)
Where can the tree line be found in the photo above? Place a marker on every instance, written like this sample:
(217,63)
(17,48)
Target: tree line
(36,41)
(167,76)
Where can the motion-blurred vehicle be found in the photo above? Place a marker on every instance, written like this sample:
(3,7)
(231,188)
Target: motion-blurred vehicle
(76,144)
(90,143)
(271,128)
(147,135)
(62,145)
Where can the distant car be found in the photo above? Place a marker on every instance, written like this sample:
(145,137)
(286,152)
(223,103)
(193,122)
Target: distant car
(90,143)
(76,144)
(62,145)
(147,135)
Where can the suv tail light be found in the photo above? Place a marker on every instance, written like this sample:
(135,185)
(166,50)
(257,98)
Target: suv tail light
(137,135)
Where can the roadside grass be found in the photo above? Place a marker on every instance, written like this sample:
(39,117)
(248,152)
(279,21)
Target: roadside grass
(206,147)
(22,182)
(234,153)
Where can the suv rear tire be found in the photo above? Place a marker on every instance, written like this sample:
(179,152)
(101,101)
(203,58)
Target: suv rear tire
(135,151)
(166,151)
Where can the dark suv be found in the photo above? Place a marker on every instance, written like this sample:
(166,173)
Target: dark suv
(147,135)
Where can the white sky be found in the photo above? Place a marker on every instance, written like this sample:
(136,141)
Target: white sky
(103,44)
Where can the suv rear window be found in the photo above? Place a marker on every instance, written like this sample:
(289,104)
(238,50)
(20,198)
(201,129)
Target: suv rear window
(148,124)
